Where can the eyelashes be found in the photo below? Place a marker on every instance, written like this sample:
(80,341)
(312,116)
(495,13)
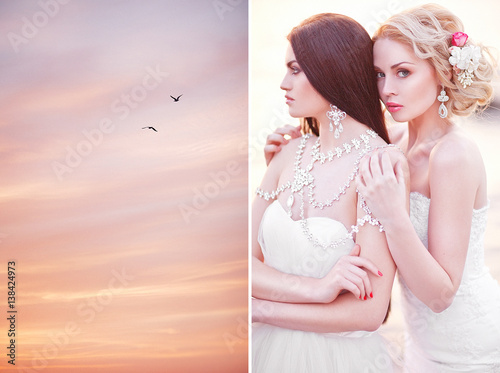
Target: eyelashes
(400,74)
(403,73)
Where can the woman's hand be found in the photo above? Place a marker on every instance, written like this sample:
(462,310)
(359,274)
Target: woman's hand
(382,186)
(277,139)
(348,275)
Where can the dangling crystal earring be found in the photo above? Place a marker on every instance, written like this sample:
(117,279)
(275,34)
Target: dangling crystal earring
(336,115)
(443,112)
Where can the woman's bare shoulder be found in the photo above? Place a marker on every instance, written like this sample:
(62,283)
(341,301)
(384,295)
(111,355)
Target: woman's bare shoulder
(288,152)
(453,149)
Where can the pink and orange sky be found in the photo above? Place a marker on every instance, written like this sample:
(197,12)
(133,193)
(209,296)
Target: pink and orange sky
(130,245)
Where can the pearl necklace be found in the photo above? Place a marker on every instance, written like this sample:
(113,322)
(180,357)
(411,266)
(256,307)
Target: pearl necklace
(303,178)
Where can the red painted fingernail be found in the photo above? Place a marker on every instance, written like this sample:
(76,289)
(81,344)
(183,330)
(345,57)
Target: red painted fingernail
(371,295)
(365,297)
(360,296)
(380,273)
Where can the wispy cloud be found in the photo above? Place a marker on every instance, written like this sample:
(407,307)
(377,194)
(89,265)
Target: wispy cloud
(111,275)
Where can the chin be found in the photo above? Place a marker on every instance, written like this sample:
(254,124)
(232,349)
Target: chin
(397,117)
(294,114)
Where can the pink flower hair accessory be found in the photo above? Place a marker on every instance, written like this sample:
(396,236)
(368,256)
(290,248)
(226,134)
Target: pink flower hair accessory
(459,39)
(464,59)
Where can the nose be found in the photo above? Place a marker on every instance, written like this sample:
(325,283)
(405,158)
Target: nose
(387,87)
(285,83)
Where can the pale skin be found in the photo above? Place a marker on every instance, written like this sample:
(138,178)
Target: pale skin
(444,165)
(330,304)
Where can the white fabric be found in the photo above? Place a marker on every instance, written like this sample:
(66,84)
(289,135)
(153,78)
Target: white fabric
(276,350)
(466,336)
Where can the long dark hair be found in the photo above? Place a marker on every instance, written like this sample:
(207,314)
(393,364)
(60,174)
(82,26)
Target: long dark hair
(336,54)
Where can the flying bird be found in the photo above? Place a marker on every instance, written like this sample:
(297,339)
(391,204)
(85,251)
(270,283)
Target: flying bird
(150,128)
(176,99)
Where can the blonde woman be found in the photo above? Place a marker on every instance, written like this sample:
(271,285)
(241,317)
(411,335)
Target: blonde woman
(429,71)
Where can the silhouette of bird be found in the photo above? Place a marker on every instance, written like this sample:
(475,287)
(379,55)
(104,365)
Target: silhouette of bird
(150,128)
(176,99)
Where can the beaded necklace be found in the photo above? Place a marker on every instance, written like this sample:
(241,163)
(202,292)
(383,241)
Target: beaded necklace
(303,178)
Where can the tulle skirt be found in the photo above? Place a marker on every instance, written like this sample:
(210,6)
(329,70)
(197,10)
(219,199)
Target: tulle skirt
(278,350)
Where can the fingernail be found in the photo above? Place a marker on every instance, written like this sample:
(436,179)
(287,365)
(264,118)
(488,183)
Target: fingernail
(371,295)
(380,273)
(360,296)
(365,297)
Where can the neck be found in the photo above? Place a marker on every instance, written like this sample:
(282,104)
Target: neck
(427,127)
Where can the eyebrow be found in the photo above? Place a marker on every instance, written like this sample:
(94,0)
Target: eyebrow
(400,63)
(396,65)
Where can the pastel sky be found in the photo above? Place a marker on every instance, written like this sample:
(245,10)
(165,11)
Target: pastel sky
(130,245)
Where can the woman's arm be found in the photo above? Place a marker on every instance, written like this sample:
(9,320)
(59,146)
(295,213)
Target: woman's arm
(347,274)
(271,284)
(432,275)
(267,282)
(346,313)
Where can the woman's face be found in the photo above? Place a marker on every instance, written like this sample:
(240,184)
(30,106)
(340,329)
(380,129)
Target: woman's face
(407,85)
(301,97)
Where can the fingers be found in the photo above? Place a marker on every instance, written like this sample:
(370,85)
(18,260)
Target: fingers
(288,130)
(363,282)
(351,287)
(365,263)
(352,274)
(364,174)
(355,250)
(270,151)
(276,139)
(292,131)
(387,169)
(375,169)
(354,284)
(400,176)
(356,281)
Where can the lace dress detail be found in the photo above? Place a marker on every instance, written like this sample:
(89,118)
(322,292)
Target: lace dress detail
(466,336)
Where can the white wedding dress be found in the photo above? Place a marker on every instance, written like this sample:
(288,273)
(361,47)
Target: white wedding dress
(274,349)
(466,336)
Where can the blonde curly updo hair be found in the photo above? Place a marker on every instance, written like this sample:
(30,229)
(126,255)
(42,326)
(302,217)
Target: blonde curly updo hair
(428,30)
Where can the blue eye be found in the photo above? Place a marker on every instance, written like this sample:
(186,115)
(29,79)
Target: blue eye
(403,73)
(380,75)
(295,71)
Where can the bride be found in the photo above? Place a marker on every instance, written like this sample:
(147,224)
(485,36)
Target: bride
(452,313)
(319,298)
(427,71)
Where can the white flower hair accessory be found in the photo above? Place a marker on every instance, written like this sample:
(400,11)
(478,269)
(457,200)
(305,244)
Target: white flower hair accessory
(464,59)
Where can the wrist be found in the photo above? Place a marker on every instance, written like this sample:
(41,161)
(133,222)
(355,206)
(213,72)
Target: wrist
(398,219)
(322,290)
(305,289)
